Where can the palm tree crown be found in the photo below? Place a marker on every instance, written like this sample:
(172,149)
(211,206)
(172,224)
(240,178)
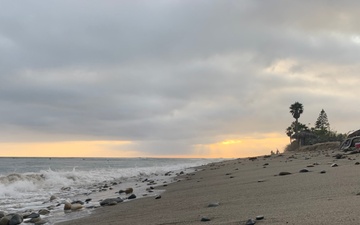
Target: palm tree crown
(296,109)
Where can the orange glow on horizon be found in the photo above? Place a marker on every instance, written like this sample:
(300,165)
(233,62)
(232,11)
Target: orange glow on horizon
(249,146)
(229,148)
(68,149)
(230,142)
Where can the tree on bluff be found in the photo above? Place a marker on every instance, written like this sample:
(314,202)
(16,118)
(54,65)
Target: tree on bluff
(322,122)
(304,136)
(322,130)
(296,110)
(290,131)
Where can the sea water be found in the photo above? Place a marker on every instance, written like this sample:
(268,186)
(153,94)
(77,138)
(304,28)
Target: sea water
(26,184)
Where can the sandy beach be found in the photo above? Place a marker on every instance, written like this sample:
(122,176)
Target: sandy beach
(245,189)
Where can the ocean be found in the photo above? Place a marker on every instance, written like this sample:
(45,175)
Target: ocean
(26,184)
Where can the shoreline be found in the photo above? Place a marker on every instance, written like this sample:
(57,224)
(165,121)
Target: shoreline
(245,189)
(44,188)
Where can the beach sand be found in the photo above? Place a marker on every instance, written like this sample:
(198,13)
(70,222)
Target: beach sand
(245,189)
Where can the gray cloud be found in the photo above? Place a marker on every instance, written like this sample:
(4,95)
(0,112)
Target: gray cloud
(173,74)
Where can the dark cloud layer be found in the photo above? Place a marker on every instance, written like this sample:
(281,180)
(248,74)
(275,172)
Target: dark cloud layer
(169,75)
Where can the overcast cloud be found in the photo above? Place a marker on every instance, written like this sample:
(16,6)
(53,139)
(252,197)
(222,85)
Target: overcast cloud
(169,75)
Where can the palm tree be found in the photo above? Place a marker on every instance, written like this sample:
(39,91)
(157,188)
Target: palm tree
(289,132)
(296,110)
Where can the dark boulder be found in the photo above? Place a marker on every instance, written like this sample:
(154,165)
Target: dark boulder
(16,219)
(132,196)
(4,221)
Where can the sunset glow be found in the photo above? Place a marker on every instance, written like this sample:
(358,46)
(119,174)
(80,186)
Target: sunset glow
(68,149)
(225,149)
(249,146)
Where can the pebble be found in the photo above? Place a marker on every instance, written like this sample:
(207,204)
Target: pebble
(303,171)
(334,165)
(213,204)
(205,219)
(250,222)
(69,206)
(323,171)
(53,197)
(357,163)
(260,217)
(110,201)
(126,191)
(132,196)
(44,212)
(284,173)
(158,197)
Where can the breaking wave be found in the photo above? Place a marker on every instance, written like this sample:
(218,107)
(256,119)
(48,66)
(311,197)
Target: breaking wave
(21,191)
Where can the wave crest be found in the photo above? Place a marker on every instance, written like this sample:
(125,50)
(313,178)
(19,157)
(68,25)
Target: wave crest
(15,177)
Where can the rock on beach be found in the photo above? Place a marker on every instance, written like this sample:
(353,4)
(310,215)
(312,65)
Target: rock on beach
(132,196)
(73,207)
(31,215)
(127,191)
(250,222)
(304,170)
(16,219)
(213,204)
(110,201)
(4,221)
(44,212)
(284,173)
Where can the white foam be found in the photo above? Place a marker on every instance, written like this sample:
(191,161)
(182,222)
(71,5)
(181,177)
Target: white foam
(22,191)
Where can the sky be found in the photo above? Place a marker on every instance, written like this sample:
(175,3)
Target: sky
(172,78)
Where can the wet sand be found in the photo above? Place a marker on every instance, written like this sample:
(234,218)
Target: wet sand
(247,188)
